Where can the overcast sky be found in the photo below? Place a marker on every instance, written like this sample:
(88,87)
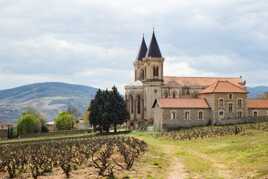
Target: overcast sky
(94,42)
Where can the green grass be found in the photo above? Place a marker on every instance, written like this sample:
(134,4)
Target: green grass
(242,156)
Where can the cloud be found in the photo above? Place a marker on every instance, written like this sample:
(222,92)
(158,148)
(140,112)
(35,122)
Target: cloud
(95,42)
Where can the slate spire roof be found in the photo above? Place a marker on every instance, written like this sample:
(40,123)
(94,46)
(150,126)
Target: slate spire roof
(143,50)
(154,50)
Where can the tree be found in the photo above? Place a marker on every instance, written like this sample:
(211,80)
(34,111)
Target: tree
(107,108)
(120,113)
(38,115)
(64,121)
(28,123)
(99,116)
(74,111)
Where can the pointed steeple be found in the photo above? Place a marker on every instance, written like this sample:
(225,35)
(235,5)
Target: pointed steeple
(154,50)
(143,49)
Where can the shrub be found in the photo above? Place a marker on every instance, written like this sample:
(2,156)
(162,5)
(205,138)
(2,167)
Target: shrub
(64,121)
(28,124)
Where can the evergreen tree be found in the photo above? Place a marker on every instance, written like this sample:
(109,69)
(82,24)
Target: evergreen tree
(119,112)
(108,108)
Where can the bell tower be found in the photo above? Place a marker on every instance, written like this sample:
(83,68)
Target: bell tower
(140,71)
(153,80)
(154,61)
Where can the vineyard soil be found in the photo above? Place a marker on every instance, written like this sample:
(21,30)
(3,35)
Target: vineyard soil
(232,156)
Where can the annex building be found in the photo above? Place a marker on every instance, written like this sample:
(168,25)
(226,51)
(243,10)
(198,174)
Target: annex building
(174,101)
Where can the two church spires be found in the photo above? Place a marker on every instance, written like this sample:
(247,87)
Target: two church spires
(152,52)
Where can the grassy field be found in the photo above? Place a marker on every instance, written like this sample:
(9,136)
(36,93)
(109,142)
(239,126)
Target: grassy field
(242,156)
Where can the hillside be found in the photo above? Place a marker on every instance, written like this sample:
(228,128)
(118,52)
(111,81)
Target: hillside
(48,98)
(258,90)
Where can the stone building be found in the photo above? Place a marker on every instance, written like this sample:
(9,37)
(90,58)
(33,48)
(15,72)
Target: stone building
(169,101)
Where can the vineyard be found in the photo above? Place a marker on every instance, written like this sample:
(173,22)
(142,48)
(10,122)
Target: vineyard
(212,131)
(105,155)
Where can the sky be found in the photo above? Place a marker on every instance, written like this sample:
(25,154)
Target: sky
(95,42)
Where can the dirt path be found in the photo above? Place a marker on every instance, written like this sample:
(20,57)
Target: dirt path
(177,170)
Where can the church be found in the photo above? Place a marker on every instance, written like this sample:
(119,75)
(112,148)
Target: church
(170,102)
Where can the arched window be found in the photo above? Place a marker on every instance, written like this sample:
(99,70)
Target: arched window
(155,71)
(174,94)
(255,114)
(131,104)
(139,104)
(185,91)
(142,75)
(221,103)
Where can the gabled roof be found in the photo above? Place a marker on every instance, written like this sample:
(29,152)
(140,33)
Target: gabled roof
(257,103)
(184,103)
(154,50)
(223,87)
(142,50)
(198,81)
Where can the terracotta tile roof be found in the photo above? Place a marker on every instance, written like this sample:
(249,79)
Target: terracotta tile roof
(223,87)
(183,103)
(198,81)
(257,103)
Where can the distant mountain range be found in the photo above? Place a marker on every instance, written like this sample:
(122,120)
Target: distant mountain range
(51,98)
(48,98)
(255,91)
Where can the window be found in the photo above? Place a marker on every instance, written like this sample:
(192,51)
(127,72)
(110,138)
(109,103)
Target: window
(230,96)
(174,94)
(239,114)
(239,103)
(173,115)
(230,107)
(142,75)
(200,115)
(187,115)
(139,104)
(155,71)
(185,91)
(221,102)
(221,114)
(131,104)
(166,93)
(255,114)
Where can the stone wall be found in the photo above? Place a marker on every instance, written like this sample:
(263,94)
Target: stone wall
(213,101)
(180,121)
(241,120)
